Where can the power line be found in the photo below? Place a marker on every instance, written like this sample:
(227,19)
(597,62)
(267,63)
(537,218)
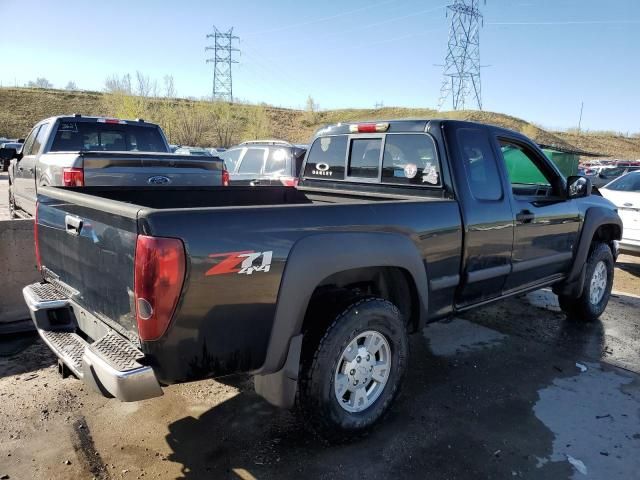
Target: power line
(222,60)
(462,63)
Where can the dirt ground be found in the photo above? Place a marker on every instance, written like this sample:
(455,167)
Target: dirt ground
(509,391)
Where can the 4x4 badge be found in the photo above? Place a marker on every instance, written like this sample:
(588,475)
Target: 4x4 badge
(241,262)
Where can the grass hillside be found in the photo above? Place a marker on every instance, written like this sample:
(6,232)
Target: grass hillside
(20,108)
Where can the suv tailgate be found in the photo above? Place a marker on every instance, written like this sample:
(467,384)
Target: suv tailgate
(141,168)
(87,247)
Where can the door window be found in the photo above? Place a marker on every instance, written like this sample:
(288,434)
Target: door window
(40,138)
(480,164)
(525,175)
(28,143)
(252,161)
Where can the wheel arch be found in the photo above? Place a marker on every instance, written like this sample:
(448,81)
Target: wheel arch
(324,258)
(600,224)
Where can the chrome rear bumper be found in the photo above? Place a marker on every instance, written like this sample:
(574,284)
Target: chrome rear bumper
(110,364)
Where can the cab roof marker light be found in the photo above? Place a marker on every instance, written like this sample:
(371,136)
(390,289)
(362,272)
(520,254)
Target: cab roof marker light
(369,127)
(111,120)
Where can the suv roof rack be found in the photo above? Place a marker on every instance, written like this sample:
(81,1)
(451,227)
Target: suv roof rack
(267,142)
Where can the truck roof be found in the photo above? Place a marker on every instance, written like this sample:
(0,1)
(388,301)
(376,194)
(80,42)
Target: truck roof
(89,118)
(402,125)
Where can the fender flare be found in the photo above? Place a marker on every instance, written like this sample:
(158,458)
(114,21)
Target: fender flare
(316,257)
(595,217)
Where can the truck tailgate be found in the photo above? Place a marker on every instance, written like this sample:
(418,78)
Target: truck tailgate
(88,250)
(139,168)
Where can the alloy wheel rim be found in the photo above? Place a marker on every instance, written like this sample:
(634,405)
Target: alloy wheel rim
(598,283)
(362,372)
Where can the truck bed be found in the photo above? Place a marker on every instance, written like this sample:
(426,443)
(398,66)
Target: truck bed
(87,240)
(163,198)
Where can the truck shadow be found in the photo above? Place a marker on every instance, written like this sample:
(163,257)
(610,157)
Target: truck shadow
(625,263)
(22,353)
(469,415)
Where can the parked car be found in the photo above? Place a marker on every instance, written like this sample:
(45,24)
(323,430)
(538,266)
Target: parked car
(76,151)
(314,290)
(603,175)
(203,152)
(6,153)
(264,162)
(624,192)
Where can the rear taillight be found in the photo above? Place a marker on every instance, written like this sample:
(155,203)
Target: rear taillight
(289,181)
(73,177)
(225,178)
(159,275)
(35,238)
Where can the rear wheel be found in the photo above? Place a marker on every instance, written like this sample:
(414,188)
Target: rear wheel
(350,377)
(597,286)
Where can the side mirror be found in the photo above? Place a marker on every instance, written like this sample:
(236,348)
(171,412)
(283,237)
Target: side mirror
(8,153)
(578,187)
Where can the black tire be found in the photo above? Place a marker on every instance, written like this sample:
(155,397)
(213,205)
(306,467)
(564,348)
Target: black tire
(582,308)
(316,399)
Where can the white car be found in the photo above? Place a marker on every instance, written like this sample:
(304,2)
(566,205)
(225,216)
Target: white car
(624,192)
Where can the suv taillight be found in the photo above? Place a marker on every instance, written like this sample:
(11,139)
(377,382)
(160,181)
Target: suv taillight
(73,177)
(289,181)
(35,238)
(225,178)
(158,280)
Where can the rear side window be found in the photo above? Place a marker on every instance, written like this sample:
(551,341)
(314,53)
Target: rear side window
(252,161)
(231,158)
(93,136)
(480,164)
(364,158)
(326,158)
(277,161)
(410,160)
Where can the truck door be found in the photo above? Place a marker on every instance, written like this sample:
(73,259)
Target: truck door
(486,213)
(24,175)
(546,223)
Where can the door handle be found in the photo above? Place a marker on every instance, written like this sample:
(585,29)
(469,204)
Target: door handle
(525,216)
(31,170)
(73,224)
(20,169)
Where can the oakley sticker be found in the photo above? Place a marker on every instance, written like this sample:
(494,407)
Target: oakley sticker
(241,263)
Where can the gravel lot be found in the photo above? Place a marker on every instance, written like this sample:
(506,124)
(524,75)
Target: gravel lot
(513,390)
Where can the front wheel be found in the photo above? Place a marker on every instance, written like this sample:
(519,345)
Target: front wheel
(350,378)
(597,286)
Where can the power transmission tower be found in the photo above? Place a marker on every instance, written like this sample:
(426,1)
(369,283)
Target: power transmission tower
(222,60)
(462,63)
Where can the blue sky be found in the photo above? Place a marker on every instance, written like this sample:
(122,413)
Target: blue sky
(544,56)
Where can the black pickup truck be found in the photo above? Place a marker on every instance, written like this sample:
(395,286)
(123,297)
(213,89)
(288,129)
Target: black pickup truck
(313,290)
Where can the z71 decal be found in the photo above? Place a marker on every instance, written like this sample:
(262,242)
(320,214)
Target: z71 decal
(241,262)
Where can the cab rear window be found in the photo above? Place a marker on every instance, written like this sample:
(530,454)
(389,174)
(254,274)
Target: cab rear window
(407,159)
(93,136)
(327,158)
